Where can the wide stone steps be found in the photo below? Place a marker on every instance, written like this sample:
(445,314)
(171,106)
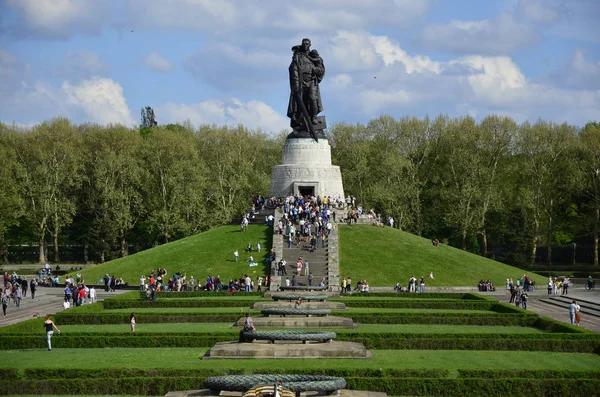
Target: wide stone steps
(586,307)
(318,262)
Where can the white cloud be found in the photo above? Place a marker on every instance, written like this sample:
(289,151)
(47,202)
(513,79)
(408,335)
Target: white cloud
(500,35)
(58,19)
(538,12)
(101,99)
(65,18)
(84,64)
(412,84)
(578,73)
(157,62)
(391,52)
(252,114)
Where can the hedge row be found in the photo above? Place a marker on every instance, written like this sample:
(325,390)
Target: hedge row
(384,303)
(132,373)
(161,385)
(426,295)
(202,294)
(441,318)
(67,318)
(527,373)
(174,302)
(9,342)
(477,387)
(526,320)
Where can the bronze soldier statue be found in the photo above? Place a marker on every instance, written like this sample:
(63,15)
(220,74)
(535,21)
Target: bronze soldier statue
(306,72)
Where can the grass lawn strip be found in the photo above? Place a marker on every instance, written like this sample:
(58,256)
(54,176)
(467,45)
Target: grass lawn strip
(189,358)
(366,328)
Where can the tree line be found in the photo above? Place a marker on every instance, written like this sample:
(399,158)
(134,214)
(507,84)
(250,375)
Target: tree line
(498,188)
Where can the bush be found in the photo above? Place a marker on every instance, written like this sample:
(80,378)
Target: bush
(420,304)
(147,318)
(160,385)
(524,373)
(173,302)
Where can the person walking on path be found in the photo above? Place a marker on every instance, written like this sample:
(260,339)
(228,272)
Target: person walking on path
(577,314)
(32,287)
(50,327)
(132,321)
(573,308)
(4,303)
(524,300)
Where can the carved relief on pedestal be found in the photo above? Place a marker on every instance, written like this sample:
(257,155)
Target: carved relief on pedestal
(295,173)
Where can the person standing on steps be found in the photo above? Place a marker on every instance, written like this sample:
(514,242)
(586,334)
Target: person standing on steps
(50,327)
(573,308)
(577,314)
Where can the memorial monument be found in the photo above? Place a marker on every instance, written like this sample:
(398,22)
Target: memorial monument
(306,167)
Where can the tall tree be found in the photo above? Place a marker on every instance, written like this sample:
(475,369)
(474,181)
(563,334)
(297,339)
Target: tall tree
(457,169)
(495,145)
(589,143)
(115,174)
(49,157)
(543,148)
(174,186)
(11,204)
(239,162)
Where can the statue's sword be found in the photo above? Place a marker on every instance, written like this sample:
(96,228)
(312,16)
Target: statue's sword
(307,119)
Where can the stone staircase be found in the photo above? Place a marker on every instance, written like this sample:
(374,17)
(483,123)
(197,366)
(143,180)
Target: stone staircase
(323,262)
(317,260)
(258,217)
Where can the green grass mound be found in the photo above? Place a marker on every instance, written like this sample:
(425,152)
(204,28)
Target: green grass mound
(384,256)
(208,253)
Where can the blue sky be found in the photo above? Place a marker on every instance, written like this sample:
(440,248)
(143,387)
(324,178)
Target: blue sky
(225,61)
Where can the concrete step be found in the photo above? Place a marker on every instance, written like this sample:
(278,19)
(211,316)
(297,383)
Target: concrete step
(590,308)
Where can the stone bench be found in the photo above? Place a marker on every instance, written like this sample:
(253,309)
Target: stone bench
(284,311)
(288,335)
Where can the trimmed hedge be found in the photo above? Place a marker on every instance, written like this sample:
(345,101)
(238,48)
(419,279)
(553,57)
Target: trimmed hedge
(524,320)
(477,387)
(419,304)
(201,294)
(174,302)
(160,385)
(67,318)
(527,373)
(68,373)
(389,341)
(426,295)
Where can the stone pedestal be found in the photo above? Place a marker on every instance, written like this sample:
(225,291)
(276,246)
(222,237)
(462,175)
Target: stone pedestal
(300,322)
(260,349)
(306,170)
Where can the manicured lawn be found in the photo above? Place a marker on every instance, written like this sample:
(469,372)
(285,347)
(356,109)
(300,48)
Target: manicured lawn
(367,328)
(187,358)
(206,253)
(386,256)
